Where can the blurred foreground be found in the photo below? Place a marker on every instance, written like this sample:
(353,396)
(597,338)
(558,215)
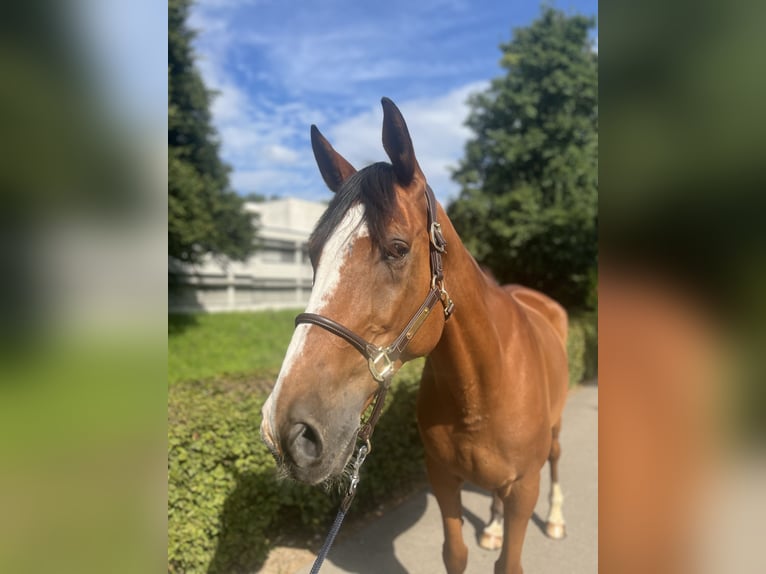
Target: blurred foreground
(681,469)
(682,312)
(83,254)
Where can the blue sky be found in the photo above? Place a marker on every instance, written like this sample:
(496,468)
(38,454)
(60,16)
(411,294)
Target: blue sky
(281,65)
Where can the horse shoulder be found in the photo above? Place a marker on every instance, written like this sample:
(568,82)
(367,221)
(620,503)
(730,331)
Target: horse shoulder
(548,323)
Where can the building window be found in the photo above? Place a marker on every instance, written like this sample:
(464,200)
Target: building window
(275,251)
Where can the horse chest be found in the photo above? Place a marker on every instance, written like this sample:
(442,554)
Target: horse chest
(469,452)
(488,447)
(471,458)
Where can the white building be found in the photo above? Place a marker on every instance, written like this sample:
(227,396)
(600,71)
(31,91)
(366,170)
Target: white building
(278,275)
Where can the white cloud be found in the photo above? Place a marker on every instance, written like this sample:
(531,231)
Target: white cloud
(435,125)
(281,154)
(264,133)
(230,104)
(239,140)
(257,135)
(306,184)
(262,144)
(331,62)
(347,60)
(224,3)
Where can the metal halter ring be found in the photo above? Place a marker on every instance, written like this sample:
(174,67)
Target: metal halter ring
(388,365)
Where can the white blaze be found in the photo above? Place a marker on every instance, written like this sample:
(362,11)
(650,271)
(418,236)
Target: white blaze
(326,278)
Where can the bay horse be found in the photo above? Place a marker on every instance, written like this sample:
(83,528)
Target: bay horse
(495,379)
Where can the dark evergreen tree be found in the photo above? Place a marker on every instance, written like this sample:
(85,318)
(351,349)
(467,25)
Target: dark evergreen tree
(204,214)
(529,198)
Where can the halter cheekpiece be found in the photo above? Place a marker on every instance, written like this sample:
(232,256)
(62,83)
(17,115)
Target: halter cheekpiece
(381,360)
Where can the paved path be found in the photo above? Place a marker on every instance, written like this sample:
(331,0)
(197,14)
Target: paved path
(408,539)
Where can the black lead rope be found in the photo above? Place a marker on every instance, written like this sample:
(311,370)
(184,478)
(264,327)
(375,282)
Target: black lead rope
(328,541)
(364,435)
(360,456)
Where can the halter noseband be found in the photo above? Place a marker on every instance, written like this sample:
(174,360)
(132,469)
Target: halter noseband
(381,360)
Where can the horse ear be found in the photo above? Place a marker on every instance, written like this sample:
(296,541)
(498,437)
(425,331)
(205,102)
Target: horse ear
(397,143)
(333,167)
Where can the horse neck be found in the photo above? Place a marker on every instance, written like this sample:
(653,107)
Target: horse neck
(469,346)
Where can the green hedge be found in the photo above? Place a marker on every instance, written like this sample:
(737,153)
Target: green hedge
(576,352)
(582,347)
(226,506)
(590,328)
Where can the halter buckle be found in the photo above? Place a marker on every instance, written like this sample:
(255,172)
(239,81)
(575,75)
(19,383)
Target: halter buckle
(437,239)
(380,374)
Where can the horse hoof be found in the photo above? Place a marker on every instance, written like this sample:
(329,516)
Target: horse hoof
(490,541)
(555,531)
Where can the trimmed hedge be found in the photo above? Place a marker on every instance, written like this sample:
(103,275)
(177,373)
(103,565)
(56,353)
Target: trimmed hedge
(582,347)
(576,352)
(225,503)
(590,327)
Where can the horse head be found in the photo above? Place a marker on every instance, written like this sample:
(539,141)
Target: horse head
(372,255)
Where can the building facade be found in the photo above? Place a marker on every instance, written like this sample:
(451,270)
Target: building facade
(278,275)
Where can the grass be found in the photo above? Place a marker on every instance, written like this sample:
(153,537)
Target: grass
(211,345)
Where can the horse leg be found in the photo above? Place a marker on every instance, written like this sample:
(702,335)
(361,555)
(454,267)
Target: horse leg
(446,489)
(555,526)
(518,505)
(492,536)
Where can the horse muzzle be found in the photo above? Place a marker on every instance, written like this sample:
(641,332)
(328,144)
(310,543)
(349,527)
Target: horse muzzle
(304,452)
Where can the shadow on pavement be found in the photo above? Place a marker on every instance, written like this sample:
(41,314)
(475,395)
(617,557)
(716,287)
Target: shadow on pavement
(373,546)
(478,523)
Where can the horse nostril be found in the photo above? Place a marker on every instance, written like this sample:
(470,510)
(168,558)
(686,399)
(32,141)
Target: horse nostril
(304,444)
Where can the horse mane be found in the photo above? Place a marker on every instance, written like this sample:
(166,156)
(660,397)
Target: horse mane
(373,187)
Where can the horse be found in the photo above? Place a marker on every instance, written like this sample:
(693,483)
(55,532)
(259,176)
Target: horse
(495,378)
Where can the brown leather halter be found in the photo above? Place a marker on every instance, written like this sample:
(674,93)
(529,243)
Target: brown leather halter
(381,360)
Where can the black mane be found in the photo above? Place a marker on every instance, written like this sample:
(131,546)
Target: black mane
(373,187)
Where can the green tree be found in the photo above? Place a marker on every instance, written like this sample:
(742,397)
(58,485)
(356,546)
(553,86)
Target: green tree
(529,179)
(204,214)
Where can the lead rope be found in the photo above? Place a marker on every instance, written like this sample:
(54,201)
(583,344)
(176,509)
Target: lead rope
(365,432)
(360,456)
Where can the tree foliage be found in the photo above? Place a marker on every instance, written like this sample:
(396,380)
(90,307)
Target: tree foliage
(529,179)
(204,214)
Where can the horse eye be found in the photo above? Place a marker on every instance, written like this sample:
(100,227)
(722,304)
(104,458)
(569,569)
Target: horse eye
(397,250)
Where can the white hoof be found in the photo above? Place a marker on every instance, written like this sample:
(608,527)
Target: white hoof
(492,536)
(555,531)
(490,541)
